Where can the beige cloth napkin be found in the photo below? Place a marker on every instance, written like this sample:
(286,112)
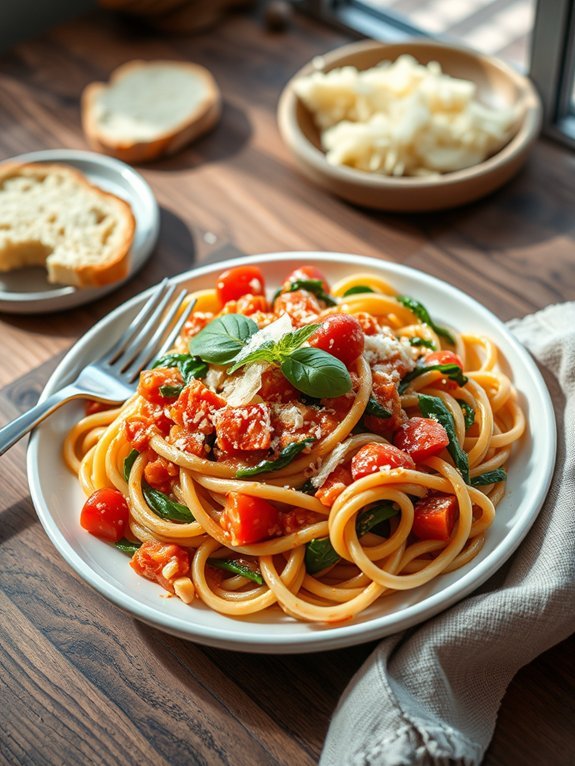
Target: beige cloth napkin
(430,696)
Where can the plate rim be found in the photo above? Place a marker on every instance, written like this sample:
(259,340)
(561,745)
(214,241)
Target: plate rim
(68,296)
(239,637)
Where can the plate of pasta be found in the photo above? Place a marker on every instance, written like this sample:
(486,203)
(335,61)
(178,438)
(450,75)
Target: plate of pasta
(336,448)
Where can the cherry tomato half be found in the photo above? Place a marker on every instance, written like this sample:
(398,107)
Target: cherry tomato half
(434,517)
(249,519)
(340,335)
(443,357)
(105,514)
(373,457)
(241,280)
(421,438)
(308,272)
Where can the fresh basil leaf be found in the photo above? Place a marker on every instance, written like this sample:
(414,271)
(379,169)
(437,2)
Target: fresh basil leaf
(237,567)
(264,353)
(433,407)
(170,392)
(320,553)
(316,373)
(422,342)
(489,477)
(451,371)
(423,315)
(284,458)
(165,507)
(295,339)
(223,338)
(129,461)
(356,289)
(275,352)
(188,365)
(313,286)
(127,546)
(468,413)
(374,408)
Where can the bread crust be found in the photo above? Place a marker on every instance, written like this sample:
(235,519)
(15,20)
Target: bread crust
(112,269)
(200,121)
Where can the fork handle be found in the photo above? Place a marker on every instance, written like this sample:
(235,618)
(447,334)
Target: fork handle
(16,429)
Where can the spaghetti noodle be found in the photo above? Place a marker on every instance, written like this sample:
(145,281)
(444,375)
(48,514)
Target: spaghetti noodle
(315,451)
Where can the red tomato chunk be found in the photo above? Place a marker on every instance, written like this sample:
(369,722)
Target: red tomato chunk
(196,407)
(244,428)
(296,519)
(160,473)
(340,335)
(242,280)
(443,357)
(435,517)
(421,438)
(375,457)
(301,307)
(248,519)
(152,380)
(334,485)
(384,390)
(105,514)
(152,558)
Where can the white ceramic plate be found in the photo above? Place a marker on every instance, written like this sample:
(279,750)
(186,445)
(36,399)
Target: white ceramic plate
(27,291)
(58,498)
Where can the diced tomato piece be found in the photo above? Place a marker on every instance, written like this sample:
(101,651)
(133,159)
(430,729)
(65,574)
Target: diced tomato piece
(152,558)
(193,442)
(244,428)
(160,473)
(306,273)
(443,357)
(151,381)
(248,519)
(301,307)
(139,428)
(296,519)
(241,280)
(384,391)
(340,335)
(435,517)
(105,514)
(251,304)
(275,387)
(373,457)
(369,323)
(421,438)
(334,485)
(196,407)
(196,323)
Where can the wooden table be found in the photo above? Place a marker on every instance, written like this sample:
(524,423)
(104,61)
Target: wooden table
(80,681)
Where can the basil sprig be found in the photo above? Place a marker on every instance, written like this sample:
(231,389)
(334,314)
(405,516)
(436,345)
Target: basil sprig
(468,413)
(165,507)
(357,289)
(316,373)
(320,553)
(489,477)
(235,566)
(285,457)
(374,408)
(275,352)
(223,338)
(127,546)
(423,315)
(433,407)
(451,371)
(417,342)
(314,286)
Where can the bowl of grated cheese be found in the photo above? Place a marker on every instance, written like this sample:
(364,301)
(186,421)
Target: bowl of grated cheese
(409,127)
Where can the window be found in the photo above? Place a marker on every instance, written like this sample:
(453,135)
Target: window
(536,36)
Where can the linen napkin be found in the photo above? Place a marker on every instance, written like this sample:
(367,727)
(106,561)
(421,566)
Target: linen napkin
(430,695)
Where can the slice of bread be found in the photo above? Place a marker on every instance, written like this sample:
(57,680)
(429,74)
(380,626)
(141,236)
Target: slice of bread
(51,215)
(150,109)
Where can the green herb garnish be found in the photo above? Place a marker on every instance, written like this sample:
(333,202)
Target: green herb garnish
(433,407)
(422,342)
(451,371)
(165,507)
(127,546)
(189,366)
(313,286)
(223,338)
(170,392)
(423,315)
(235,566)
(374,408)
(129,461)
(489,477)
(468,413)
(357,289)
(284,458)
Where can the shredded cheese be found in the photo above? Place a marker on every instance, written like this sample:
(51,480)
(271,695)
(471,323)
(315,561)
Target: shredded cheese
(241,389)
(337,456)
(274,331)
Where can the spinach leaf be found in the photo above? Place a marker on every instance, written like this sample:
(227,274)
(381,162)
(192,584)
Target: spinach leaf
(190,366)
(423,315)
(374,408)
(223,338)
(313,286)
(127,546)
(489,477)
(164,507)
(320,553)
(284,458)
(235,566)
(170,392)
(451,371)
(356,289)
(316,373)
(422,342)
(468,413)
(129,461)
(433,407)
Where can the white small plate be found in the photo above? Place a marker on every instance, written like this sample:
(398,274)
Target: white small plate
(58,497)
(27,291)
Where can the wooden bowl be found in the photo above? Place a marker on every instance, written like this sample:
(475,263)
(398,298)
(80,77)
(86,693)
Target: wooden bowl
(497,86)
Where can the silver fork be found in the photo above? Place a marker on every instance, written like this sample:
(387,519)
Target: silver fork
(111,378)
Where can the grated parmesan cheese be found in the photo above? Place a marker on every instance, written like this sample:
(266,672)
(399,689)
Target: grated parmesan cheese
(241,389)
(385,347)
(337,456)
(274,331)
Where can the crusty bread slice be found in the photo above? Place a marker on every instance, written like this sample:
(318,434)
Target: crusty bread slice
(150,109)
(51,215)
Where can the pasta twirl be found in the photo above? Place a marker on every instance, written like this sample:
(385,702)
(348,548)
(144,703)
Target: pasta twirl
(315,451)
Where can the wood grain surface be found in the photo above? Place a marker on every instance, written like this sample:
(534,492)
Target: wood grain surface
(80,681)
